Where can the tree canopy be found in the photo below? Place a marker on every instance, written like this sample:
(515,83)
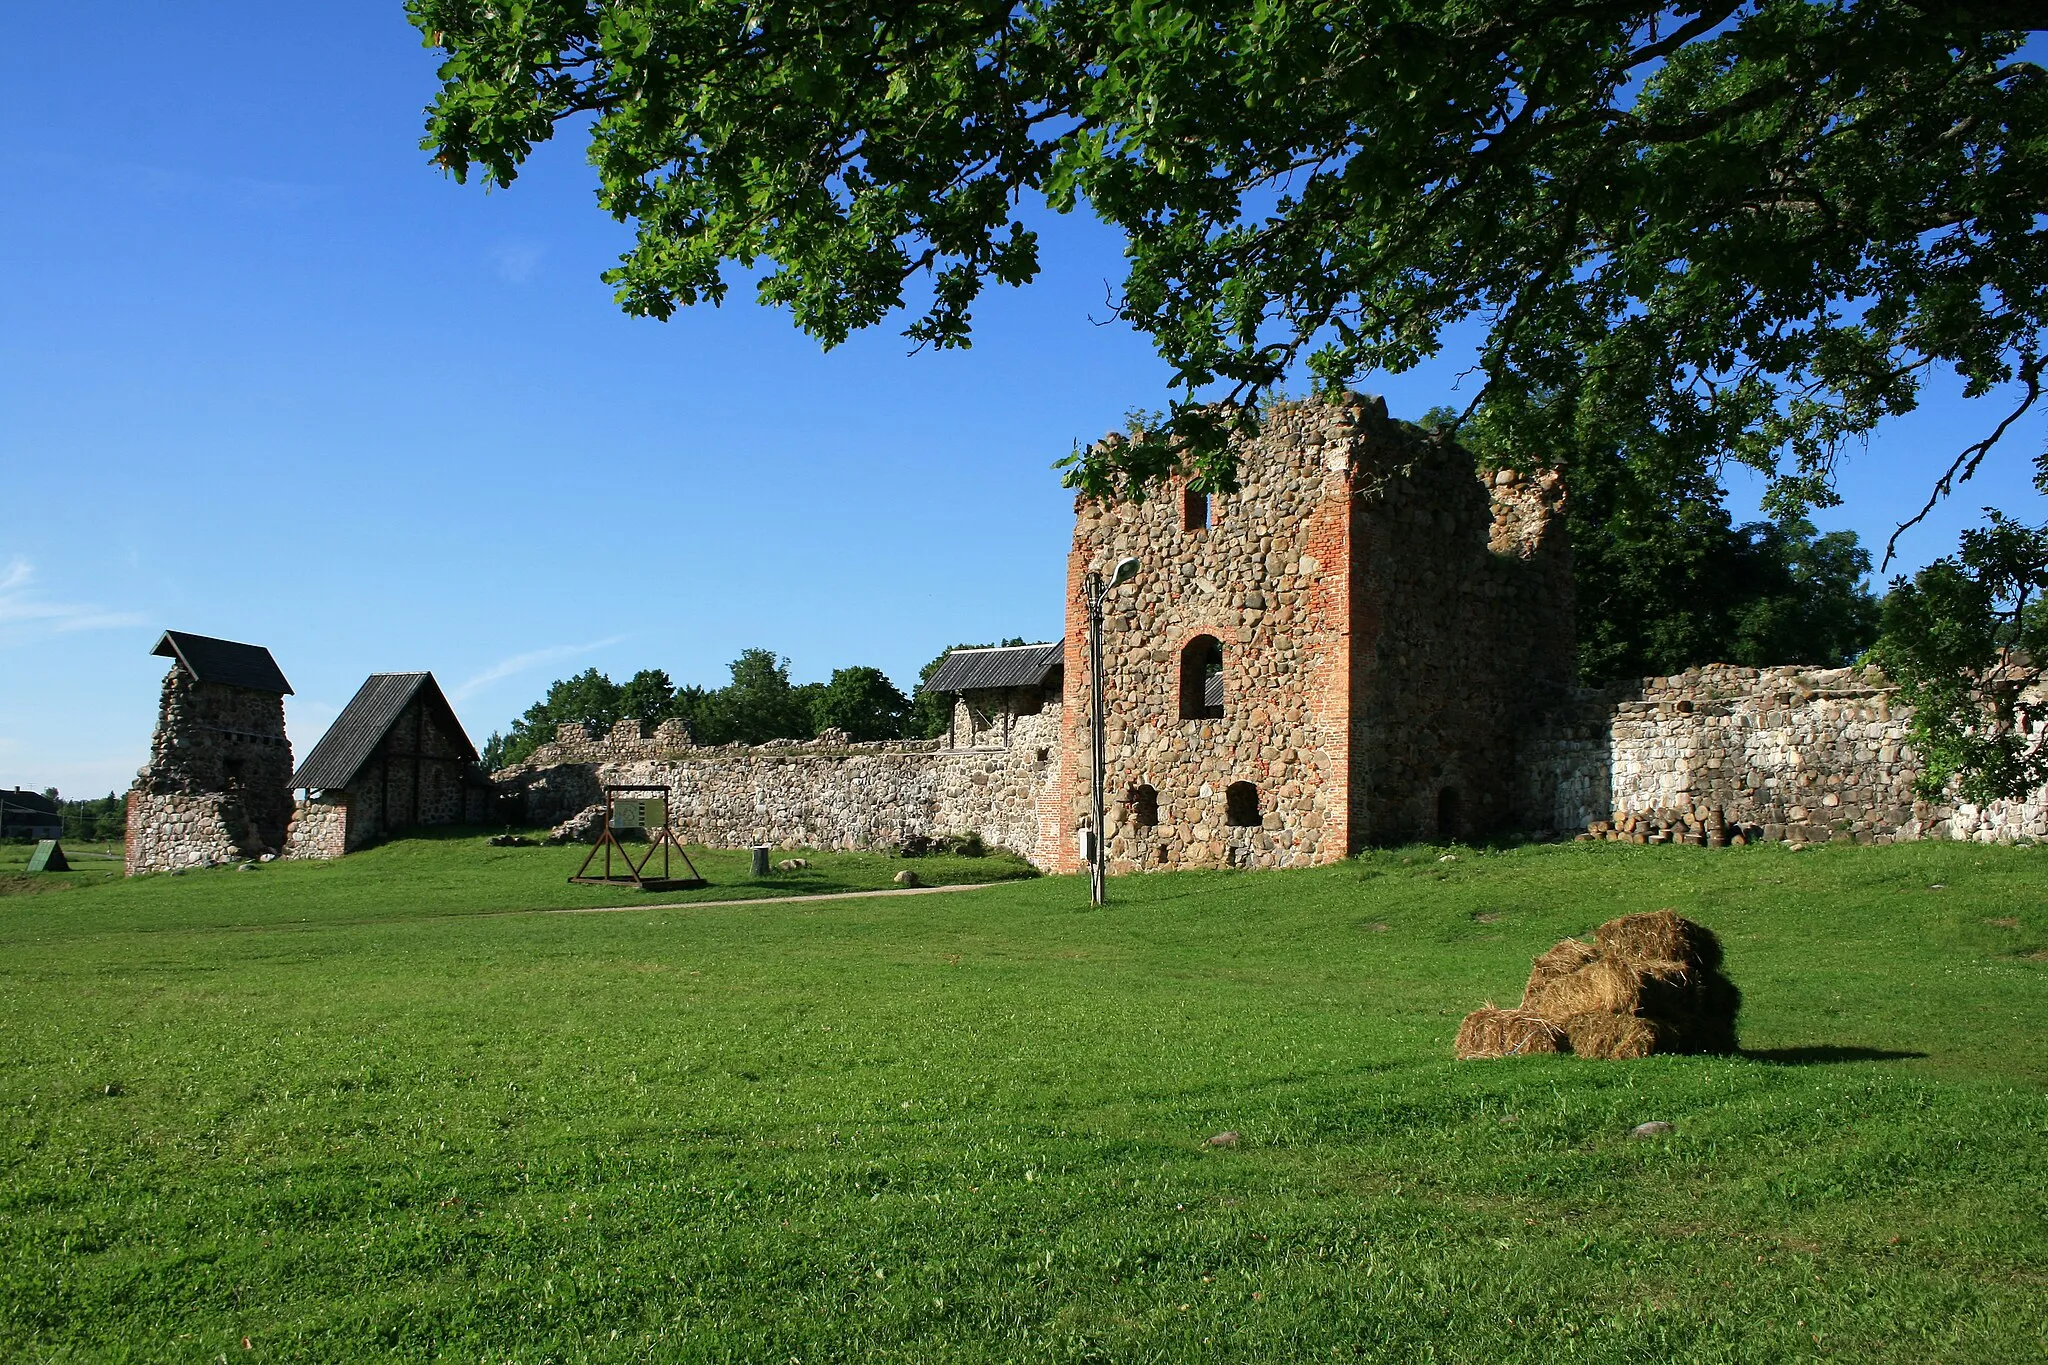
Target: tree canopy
(1718,229)
(760,703)
(1685,234)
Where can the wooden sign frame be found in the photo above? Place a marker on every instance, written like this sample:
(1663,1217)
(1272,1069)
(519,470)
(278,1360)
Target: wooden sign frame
(635,873)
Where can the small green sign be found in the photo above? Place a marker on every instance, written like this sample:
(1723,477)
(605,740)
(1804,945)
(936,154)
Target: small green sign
(48,857)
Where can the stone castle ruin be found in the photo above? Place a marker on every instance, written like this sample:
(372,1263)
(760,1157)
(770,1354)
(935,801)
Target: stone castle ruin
(217,787)
(1369,640)
(1343,651)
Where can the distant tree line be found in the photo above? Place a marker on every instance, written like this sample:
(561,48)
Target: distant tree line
(95,820)
(758,705)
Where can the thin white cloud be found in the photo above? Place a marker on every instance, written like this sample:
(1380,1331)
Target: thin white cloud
(21,605)
(517,260)
(519,663)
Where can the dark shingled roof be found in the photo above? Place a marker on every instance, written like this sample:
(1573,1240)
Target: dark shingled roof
(224,661)
(971,670)
(34,803)
(363,723)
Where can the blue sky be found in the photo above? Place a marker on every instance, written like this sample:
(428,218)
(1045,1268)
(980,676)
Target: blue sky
(265,374)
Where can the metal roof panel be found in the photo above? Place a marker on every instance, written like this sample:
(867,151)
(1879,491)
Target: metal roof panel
(973,670)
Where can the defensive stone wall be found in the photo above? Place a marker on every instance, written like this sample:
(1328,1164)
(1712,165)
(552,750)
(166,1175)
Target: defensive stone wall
(169,831)
(824,793)
(1462,623)
(993,718)
(217,787)
(1723,752)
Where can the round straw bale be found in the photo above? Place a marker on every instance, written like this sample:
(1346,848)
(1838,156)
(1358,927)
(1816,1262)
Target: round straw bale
(1616,1037)
(1561,961)
(1660,936)
(1507,1033)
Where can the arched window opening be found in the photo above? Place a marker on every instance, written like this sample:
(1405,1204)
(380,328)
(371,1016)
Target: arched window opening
(1241,804)
(1194,511)
(1143,802)
(1201,679)
(1450,814)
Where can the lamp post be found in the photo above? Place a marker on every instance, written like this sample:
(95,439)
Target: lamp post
(1097,589)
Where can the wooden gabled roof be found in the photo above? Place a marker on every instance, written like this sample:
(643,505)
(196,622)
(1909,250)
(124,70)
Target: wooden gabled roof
(366,720)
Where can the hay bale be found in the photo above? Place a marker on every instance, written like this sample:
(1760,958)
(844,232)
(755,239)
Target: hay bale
(1646,984)
(1659,936)
(1616,1037)
(1561,961)
(1493,1032)
(1648,989)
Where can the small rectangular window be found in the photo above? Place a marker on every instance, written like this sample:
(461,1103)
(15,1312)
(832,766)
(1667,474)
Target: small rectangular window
(1194,511)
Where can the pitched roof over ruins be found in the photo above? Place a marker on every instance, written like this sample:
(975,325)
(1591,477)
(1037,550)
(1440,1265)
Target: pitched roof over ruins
(224,661)
(366,720)
(972,670)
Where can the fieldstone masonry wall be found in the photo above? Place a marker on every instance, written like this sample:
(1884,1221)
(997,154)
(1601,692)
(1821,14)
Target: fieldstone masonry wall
(1387,619)
(320,827)
(217,787)
(415,777)
(1774,753)
(823,793)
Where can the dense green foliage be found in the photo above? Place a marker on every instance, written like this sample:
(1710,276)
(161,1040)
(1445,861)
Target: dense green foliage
(102,818)
(971,1126)
(1743,230)
(1658,595)
(759,704)
(1724,228)
(1664,579)
(1964,640)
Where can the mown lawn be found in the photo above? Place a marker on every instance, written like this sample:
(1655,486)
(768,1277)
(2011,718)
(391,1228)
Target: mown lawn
(449,872)
(326,1113)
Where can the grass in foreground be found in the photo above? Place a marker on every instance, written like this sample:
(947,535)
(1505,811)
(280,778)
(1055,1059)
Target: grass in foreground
(972,1127)
(451,872)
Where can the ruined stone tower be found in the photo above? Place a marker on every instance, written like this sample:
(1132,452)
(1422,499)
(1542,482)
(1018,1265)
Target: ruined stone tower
(1338,653)
(217,787)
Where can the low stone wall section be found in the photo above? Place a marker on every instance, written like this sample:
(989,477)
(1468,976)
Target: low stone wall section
(1778,753)
(169,831)
(319,828)
(824,793)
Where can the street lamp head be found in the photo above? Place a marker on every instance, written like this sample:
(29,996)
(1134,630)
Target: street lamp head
(1126,570)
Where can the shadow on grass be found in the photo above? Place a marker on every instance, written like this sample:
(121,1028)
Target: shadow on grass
(1825,1054)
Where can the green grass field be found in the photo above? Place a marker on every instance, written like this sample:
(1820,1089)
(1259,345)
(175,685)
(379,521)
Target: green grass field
(332,1112)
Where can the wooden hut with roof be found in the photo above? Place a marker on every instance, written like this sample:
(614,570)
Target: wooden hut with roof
(396,758)
(995,689)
